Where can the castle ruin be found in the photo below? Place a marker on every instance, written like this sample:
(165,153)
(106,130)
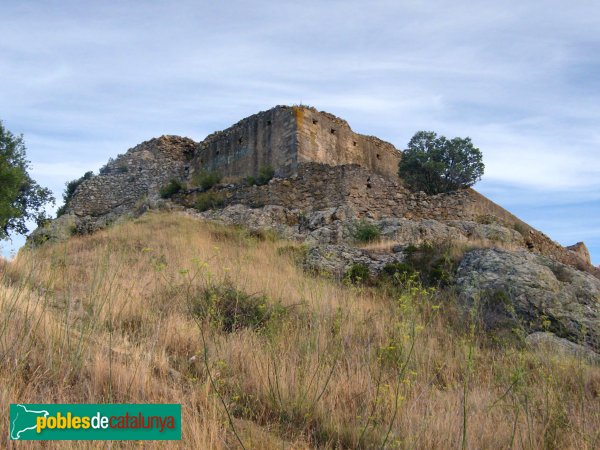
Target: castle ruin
(319,163)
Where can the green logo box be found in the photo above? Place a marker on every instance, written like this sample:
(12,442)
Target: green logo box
(54,422)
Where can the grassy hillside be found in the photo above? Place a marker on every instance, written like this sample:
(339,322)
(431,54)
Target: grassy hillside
(168,309)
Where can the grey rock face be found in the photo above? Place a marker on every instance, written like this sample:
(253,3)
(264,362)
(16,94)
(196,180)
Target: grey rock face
(534,291)
(58,229)
(337,259)
(417,231)
(552,344)
(492,232)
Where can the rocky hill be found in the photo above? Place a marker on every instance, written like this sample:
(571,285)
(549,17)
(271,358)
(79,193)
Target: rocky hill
(307,176)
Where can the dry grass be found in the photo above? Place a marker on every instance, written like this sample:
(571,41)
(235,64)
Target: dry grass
(107,318)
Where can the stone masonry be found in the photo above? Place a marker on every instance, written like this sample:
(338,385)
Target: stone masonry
(320,187)
(286,137)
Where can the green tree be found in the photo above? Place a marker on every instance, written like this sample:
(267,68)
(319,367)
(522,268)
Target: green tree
(436,164)
(21,198)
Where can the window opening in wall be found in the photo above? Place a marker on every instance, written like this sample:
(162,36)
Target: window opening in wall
(240,140)
(218,151)
(268,122)
(315,121)
(354,143)
(332,131)
(378,156)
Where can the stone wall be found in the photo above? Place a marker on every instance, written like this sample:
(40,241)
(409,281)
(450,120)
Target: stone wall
(319,186)
(285,136)
(327,139)
(141,172)
(261,140)
(282,138)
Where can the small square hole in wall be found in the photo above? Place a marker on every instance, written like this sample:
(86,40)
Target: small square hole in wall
(315,121)
(354,143)
(240,140)
(378,156)
(268,122)
(218,151)
(332,131)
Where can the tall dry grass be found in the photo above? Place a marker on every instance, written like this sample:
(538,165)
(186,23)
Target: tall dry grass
(111,318)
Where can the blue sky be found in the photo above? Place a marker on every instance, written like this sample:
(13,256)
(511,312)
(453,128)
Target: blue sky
(84,81)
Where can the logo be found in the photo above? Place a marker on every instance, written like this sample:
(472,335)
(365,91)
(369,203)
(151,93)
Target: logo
(95,422)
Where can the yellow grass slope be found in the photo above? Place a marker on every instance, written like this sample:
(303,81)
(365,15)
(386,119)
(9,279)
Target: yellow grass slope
(169,309)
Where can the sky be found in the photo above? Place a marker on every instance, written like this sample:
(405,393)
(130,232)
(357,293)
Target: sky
(84,81)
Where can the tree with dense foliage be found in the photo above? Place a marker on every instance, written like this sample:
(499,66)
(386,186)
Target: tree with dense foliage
(436,164)
(21,198)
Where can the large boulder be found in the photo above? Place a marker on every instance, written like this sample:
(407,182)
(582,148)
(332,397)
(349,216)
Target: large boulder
(581,250)
(337,259)
(551,344)
(532,292)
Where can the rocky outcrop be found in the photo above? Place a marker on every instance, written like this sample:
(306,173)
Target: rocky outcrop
(581,250)
(320,187)
(336,225)
(337,259)
(533,292)
(330,233)
(551,344)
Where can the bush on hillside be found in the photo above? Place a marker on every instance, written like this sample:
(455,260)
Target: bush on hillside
(232,309)
(363,231)
(396,273)
(209,200)
(265,174)
(434,263)
(173,187)
(206,179)
(357,274)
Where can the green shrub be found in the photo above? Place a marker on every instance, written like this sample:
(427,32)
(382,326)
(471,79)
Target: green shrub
(364,231)
(209,200)
(357,274)
(173,187)
(232,309)
(265,174)
(435,264)
(396,272)
(206,179)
